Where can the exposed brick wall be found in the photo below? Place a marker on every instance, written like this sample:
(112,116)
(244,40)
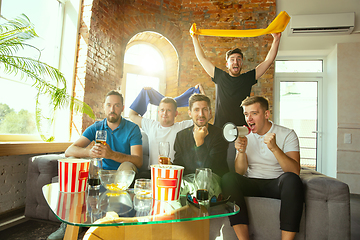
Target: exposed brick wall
(115,22)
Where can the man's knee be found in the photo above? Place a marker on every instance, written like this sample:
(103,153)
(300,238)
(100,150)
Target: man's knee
(127,166)
(291,185)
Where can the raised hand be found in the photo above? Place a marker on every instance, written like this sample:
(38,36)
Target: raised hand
(270,141)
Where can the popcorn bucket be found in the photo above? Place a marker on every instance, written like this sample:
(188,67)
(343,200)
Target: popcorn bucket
(73,174)
(72,207)
(166,182)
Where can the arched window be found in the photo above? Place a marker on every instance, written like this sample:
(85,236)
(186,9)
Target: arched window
(144,67)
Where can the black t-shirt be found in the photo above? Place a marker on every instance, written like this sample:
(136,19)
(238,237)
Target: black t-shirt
(230,92)
(212,154)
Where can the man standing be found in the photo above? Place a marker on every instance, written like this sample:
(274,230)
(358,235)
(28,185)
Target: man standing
(201,145)
(123,147)
(267,164)
(232,87)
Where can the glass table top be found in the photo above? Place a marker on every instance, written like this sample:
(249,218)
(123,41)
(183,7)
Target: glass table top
(105,208)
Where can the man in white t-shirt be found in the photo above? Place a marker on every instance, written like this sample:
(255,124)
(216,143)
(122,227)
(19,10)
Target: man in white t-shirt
(163,130)
(267,164)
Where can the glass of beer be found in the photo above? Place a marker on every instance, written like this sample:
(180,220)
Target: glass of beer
(202,182)
(164,152)
(96,163)
(100,136)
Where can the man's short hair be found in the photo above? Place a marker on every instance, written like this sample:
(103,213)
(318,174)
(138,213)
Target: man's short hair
(169,100)
(264,103)
(197,97)
(230,52)
(114,92)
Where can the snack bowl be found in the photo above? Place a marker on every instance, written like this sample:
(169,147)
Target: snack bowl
(114,180)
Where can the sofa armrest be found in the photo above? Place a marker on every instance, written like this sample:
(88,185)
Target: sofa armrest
(41,170)
(327,202)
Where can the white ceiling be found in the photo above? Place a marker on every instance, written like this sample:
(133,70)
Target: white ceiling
(316,46)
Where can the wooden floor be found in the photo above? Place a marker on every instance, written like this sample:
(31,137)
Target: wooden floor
(40,230)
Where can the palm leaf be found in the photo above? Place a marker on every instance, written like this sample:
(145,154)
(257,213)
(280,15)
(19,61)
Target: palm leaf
(46,79)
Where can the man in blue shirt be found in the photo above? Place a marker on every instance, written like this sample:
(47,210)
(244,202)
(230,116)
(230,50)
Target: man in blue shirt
(123,149)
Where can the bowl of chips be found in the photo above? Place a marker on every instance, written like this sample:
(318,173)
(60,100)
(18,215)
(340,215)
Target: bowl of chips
(114,180)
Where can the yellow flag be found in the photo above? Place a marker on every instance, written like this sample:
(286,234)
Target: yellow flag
(278,25)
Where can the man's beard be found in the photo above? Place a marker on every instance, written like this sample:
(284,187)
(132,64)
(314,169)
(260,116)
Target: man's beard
(112,119)
(204,123)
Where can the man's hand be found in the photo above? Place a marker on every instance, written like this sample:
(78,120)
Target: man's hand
(161,161)
(101,151)
(199,135)
(270,141)
(192,30)
(200,87)
(276,36)
(241,144)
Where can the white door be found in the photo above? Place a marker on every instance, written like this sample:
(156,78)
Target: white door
(298,104)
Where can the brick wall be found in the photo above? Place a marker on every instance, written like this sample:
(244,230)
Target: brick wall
(13,173)
(114,22)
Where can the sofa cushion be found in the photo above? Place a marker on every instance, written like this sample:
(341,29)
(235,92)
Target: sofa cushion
(41,170)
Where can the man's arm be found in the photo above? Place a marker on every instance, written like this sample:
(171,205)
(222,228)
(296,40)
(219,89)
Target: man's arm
(262,67)
(104,151)
(205,63)
(135,117)
(135,157)
(241,162)
(289,161)
(79,148)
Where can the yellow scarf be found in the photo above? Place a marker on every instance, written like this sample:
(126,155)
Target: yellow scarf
(278,25)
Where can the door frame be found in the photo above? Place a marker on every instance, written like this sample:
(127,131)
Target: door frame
(303,77)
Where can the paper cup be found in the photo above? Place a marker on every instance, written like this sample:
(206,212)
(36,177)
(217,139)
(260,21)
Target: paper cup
(73,175)
(166,182)
(72,207)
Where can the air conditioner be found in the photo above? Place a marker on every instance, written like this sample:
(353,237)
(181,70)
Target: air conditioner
(320,24)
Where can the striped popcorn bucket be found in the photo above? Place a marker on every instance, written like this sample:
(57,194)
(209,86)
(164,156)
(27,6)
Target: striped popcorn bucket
(72,207)
(166,182)
(73,174)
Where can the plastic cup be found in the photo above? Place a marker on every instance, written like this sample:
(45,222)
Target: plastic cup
(73,174)
(166,182)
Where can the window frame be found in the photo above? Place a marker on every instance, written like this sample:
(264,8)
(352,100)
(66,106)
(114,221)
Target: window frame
(66,63)
(134,69)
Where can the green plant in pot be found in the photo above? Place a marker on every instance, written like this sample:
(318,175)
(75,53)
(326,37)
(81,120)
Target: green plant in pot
(49,82)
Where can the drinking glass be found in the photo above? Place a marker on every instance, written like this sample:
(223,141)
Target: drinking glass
(94,173)
(143,188)
(164,152)
(96,163)
(202,182)
(100,136)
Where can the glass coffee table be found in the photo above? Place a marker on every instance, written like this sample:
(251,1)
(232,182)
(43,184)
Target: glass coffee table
(126,216)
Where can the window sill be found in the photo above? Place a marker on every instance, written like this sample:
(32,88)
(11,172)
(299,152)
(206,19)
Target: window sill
(23,148)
